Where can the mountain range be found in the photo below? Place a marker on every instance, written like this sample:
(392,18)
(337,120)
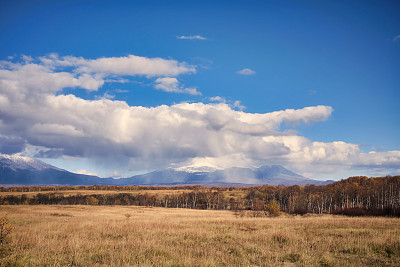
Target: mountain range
(26,171)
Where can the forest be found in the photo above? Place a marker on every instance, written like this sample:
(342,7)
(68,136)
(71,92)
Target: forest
(354,196)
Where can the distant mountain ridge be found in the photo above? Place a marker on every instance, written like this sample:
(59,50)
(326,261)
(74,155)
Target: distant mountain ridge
(16,170)
(272,175)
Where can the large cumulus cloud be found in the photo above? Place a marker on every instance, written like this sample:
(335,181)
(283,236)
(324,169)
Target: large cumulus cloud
(34,111)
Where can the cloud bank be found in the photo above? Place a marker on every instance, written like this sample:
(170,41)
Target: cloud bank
(34,112)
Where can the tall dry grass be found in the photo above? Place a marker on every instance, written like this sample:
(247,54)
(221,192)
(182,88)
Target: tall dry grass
(139,236)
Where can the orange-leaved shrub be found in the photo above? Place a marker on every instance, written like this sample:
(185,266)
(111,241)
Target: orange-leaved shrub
(5,229)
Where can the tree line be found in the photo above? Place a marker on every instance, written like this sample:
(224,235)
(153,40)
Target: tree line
(357,196)
(95,187)
(353,196)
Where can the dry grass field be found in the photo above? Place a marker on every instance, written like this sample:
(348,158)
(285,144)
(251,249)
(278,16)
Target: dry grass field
(140,236)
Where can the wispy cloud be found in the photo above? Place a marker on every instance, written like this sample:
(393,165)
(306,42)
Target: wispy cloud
(246,71)
(237,104)
(217,99)
(379,148)
(396,38)
(121,91)
(106,95)
(191,37)
(312,92)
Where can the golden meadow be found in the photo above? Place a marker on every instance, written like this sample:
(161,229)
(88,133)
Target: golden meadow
(54,235)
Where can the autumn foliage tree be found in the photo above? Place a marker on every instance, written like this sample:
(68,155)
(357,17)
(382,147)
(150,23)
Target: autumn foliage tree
(5,229)
(272,208)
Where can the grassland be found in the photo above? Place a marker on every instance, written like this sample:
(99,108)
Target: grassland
(140,236)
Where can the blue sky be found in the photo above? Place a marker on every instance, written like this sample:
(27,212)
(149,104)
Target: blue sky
(339,54)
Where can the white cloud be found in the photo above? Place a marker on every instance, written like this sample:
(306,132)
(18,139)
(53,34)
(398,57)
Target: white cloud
(166,133)
(34,78)
(217,99)
(396,38)
(246,72)
(53,73)
(35,113)
(85,172)
(169,84)
(130,65)
(135,65)
(191,37)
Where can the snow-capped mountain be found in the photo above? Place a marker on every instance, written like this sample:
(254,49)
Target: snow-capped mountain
(195,169)
(19,162)
(272,175)
(17,170)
